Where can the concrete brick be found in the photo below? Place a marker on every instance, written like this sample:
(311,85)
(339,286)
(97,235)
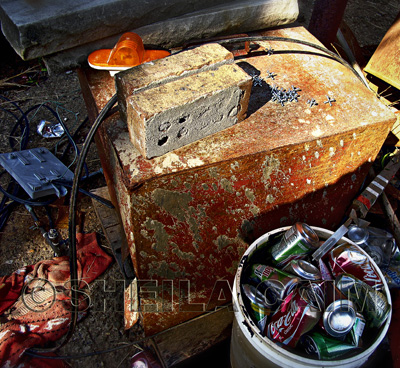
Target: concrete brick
(168,69)
(177,113)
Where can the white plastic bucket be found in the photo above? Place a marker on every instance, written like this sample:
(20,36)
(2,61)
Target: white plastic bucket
(250,350)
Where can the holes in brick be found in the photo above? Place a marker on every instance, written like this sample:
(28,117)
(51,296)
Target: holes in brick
(182,132)
(164,126)
(162,141)
(182,120)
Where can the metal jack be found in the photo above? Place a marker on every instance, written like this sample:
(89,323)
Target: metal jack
(50,237)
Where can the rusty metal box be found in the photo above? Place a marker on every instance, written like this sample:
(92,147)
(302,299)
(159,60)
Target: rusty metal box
(190,214)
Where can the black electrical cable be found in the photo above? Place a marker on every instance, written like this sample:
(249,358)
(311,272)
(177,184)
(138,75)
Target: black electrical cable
(293,40)
(80,126)
(103,201)
(72,229)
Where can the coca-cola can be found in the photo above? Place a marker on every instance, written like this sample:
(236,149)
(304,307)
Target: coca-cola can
(348,258)
(299,313)
(295,243)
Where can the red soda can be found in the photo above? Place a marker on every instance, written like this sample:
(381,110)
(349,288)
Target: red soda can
(348,258)
(299,313)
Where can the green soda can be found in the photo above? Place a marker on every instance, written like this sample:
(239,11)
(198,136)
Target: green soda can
(371,303)
(296,243)
(278,284)
(356,332)
(260,306)
(325,347)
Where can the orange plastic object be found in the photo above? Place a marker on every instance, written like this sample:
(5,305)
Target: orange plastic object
(128,52)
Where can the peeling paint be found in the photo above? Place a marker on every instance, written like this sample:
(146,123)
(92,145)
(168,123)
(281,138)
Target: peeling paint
(165,270)
(317,132)
(169,161)
(270,165)
(329,118)
(306,147)
(222,241)
(194,162)
(308,181)
(181,254)
(227,185)
(175,203)
(249,194)
(213,172)
(160,235)
(331,151)
(234,165)
(254,210)
(354,135)
(270,198)
(316,154)
(341,143)
(319,143)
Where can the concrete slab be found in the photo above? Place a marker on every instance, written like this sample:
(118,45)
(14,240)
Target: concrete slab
(41,27)
(229,18)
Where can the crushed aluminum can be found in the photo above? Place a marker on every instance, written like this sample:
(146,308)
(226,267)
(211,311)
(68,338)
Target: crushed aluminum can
(355,334)
(325,347)
(339,318)
(260,306)
(371,303)
(303,269)
(278,284)
(48,129)
(298,314)
(358,235)
(348,258)
(295,243)
(324,270)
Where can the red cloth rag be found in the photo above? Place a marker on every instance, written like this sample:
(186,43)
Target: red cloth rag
(34,302)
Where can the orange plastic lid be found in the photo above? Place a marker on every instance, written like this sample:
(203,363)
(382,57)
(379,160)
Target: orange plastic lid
(128,52)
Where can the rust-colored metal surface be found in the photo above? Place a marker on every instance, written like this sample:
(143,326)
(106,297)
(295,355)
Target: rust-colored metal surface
(385,62)
(190,214)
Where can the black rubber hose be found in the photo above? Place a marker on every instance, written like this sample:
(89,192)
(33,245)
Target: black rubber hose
(72,229)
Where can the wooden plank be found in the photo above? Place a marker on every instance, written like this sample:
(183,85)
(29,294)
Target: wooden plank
(194,337)
(113,231)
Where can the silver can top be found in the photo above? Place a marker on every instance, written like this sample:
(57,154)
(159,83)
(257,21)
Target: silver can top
(256,296)
(307,233)
(339,317)
(304,269)
(357,234)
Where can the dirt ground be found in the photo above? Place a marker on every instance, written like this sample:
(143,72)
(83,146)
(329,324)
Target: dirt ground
(26,84)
